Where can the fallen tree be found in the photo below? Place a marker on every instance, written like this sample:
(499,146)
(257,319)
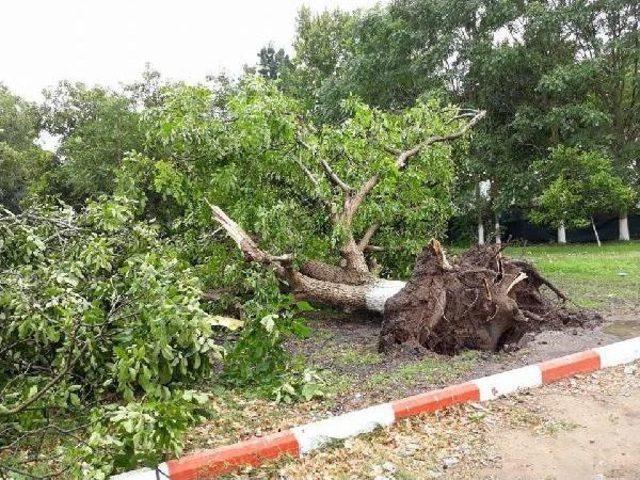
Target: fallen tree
(479,301)
(354,285)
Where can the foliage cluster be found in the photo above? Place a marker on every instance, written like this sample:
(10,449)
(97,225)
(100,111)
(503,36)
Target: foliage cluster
(576,181)
(96,307)
(104,270)
(549,74)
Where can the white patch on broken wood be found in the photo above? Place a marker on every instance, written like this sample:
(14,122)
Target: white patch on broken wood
(380,292)
(521,276)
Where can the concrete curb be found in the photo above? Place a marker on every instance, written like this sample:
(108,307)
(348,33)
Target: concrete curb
(300,440)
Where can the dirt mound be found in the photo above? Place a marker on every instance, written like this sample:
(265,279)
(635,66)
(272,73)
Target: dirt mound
(482,300)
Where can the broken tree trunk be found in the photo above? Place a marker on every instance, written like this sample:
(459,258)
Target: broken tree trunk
(349,288)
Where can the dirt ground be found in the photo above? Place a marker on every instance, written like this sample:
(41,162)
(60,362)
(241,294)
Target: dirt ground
(345,348)
(602,442)
(553,433)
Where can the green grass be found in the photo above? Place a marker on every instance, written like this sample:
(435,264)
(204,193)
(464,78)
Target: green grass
(436,370)
(358,357)
(588,274)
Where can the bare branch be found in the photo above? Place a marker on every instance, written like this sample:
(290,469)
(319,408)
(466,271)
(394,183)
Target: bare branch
(392,150)
(403,157)
(334,178)
(249,248)
(316,185)
(308,173)
(331,175)
(521,276)
(368,235)
(358,198)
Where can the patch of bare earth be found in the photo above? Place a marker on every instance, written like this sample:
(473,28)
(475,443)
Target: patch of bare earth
(582,428)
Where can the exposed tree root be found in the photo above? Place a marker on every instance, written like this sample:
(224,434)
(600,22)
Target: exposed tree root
(481,301)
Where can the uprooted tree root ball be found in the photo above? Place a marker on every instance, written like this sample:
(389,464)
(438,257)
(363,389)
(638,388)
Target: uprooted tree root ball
(482,300)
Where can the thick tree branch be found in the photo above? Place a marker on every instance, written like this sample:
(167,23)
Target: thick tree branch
(368,235)
(404,156)
(334,178)
(249,248)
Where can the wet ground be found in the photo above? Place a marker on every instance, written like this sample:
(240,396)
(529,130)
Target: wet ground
(624,326)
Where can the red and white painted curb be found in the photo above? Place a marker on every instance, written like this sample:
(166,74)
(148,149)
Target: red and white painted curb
(303,439)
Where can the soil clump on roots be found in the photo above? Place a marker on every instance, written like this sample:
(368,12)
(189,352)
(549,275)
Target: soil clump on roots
(482,300)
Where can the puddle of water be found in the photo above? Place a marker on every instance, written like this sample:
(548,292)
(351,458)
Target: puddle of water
(623,329)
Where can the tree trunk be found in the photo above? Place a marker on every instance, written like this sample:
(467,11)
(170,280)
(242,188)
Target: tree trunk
(369,296)
(497,230)
(562,234)
(623,228)
(595,232)
(480,232)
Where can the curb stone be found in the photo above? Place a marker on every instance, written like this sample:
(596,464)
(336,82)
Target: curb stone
(303,439)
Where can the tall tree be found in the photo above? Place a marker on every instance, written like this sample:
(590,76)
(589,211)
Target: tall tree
(21,160)
(577,186)
(96,127)
(608,33)
(272,63)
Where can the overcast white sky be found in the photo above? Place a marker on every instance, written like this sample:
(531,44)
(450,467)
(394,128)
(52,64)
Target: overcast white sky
(106,42)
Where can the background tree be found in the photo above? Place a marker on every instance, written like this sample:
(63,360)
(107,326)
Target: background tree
(271,63)
(21,160)
(95,127)
(547,73)
(608,33)
(578,186)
